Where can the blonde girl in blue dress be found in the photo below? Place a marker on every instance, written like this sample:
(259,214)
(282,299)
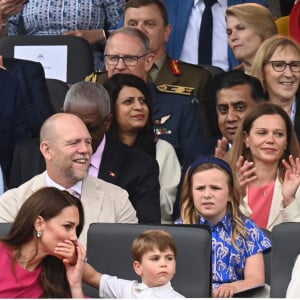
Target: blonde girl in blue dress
(209,197)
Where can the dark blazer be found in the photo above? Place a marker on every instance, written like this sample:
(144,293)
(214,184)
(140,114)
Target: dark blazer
(183,9)
(13,123)
(137,173)
(31,76)
(127,167)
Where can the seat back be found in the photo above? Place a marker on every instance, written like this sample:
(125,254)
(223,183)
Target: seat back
(285,249)
(267,259)
(109,251)
(57,91)
(79,52)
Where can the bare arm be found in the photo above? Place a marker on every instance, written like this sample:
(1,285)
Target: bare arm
(254,275)
(91,276)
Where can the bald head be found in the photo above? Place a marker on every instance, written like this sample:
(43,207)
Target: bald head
(66,147)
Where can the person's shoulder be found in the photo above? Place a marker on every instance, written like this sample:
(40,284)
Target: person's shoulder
(95,183)
(97,76)
(23,191)
(24,63)
(185,72)
(188,67)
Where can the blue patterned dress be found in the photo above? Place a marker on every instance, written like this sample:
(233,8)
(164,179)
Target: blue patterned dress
(228,263)
(53,17)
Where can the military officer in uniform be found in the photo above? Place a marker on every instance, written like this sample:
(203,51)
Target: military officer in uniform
(175,110)
(151,17)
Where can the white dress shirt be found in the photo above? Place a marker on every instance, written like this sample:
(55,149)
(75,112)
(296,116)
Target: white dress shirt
(189,51)
(76,188)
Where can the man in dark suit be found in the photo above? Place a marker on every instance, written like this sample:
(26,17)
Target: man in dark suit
(13,122)
(112,161)
(36,97)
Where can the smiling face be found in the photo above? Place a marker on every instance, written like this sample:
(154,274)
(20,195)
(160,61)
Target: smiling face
(242,39)
(210,191)
(131,110)
(282,86)
(267,139)
(67,151)
(148,19)
(58,229)
(232,105)
(156,267)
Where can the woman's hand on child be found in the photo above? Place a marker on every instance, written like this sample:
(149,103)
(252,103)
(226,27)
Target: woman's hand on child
(291,179)
(74,272)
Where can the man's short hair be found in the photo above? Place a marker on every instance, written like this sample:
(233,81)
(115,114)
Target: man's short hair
(237,77)
(86,92)
(151,239)
(131,31)
(159,4)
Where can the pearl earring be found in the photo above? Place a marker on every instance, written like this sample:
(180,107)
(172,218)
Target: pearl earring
(39,234)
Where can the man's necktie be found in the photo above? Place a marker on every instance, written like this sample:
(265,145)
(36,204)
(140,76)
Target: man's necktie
(205,34)
(73,193)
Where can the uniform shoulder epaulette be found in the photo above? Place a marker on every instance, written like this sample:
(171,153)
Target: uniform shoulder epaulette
(176,89)
(175,66)
(93,77)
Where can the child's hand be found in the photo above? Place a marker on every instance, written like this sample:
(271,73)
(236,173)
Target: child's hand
(224,291)
(67,250)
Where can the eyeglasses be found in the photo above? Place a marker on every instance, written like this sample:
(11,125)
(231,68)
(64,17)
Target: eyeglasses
(128,60)
(280,65)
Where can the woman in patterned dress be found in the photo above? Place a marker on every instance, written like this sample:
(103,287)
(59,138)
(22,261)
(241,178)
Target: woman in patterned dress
(89,19)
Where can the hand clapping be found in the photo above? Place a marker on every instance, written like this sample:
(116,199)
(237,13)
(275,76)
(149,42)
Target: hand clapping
(291,179)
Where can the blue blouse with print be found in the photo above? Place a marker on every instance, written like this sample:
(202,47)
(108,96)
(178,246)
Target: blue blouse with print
(53,17)
(228,263)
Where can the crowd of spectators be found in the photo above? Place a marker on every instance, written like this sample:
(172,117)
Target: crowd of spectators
(153,136)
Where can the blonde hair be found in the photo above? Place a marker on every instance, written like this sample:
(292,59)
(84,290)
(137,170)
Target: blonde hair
(190,215)
(265,52)
(256,16)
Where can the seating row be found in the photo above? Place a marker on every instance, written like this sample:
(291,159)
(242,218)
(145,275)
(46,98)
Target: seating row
(109,245)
